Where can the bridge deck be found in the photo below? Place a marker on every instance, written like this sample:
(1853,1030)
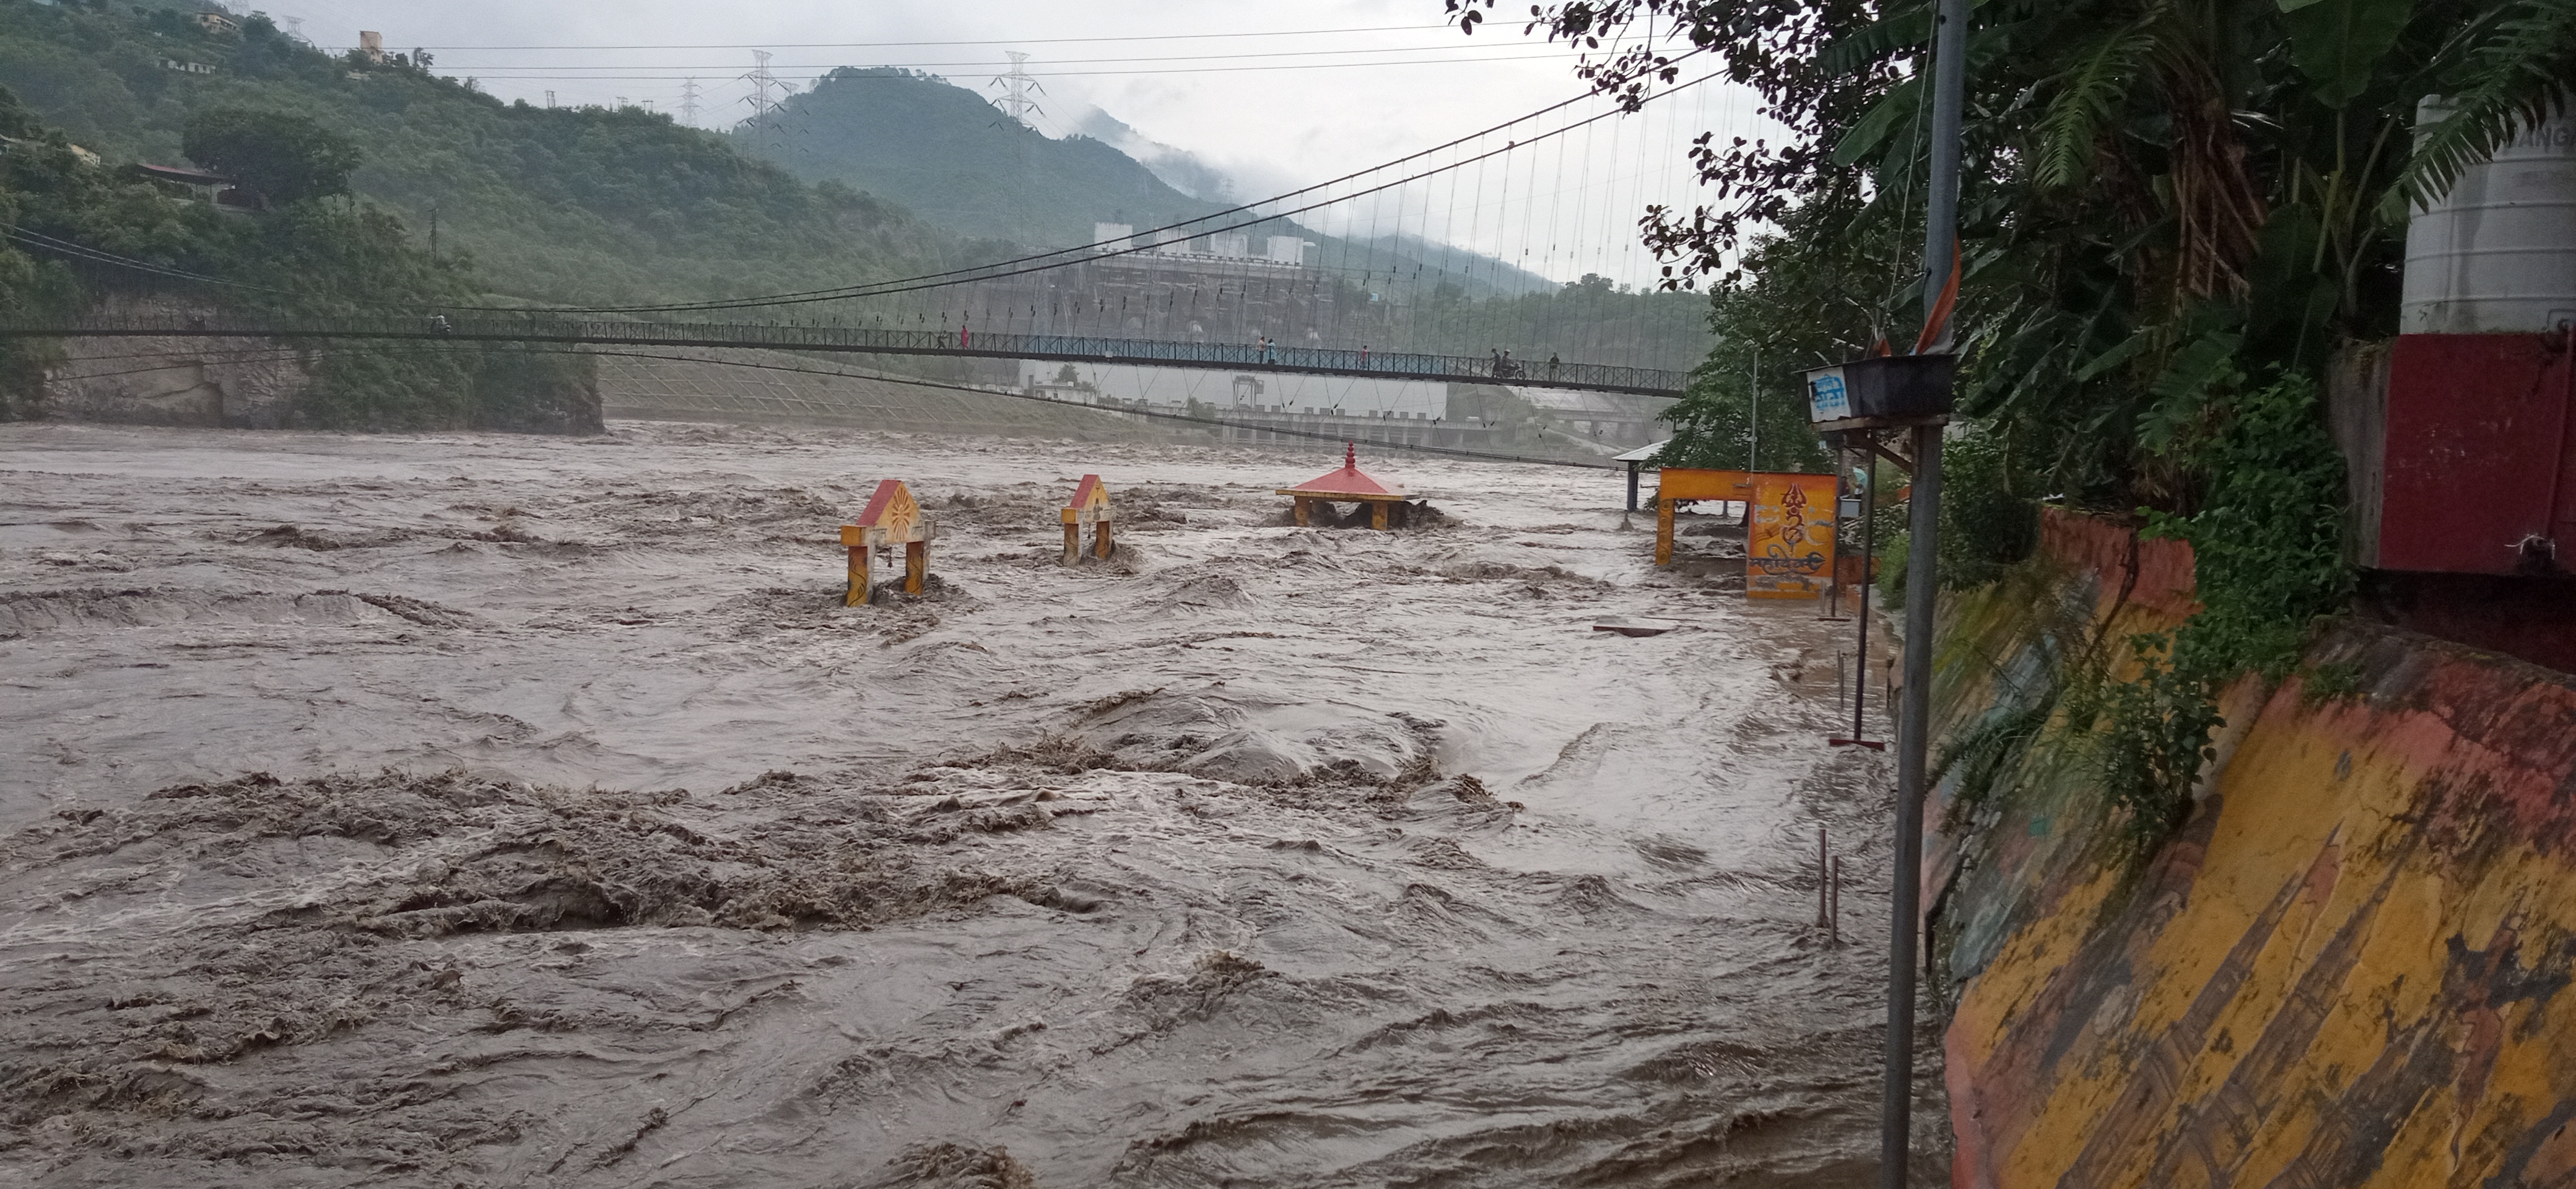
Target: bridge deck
(537,328)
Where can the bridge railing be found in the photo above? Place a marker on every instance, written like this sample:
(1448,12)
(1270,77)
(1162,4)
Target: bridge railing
(793,336)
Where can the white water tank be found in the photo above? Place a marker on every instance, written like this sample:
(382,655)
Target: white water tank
(2497,254)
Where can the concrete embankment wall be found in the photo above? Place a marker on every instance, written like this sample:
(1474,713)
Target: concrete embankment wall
(240,383)
(2348,968)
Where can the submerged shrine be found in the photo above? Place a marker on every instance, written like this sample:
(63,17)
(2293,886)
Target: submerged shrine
(1090,506)
(893,517)
(1345,486)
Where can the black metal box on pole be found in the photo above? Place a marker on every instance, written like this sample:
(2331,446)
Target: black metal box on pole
(1885,392)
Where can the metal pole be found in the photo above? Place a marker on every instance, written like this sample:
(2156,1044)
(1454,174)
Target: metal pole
(1949,98)
(1868,554)
(1914,713)
(1922,586)
(1753,417)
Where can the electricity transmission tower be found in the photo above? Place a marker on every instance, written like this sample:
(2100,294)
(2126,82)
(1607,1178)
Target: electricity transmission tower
(689,103)
(761,81)
(1017,101)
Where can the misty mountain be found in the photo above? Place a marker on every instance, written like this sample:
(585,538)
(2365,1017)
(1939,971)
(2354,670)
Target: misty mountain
(946,153)
(1181,169)
(1475,271)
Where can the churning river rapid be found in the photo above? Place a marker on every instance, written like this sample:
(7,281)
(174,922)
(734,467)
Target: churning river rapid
(482,810)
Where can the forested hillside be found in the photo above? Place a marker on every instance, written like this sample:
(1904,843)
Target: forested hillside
(573,205)
(943,151)
(81,233)
(459,197)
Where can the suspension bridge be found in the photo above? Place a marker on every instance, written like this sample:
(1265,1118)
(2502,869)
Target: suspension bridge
(964,343)
(1430,269)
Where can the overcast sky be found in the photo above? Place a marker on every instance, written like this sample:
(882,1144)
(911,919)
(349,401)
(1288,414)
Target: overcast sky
(1275,94)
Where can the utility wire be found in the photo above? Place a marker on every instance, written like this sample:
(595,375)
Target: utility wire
(981,64)
(1094,251)
(681,72)
(846,45)
(97,256)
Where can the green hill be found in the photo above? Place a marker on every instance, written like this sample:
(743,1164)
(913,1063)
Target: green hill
(567,205)
(594,206)
(943,151)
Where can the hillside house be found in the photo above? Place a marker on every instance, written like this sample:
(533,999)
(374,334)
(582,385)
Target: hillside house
(197,185)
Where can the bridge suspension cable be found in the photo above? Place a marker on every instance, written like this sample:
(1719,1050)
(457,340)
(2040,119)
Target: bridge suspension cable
(1245,285)
(1056,258)
(1049,260)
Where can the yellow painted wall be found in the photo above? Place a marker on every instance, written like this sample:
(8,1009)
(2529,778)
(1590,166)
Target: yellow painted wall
(2348,969)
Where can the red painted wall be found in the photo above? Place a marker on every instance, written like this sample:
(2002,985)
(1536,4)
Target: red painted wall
(2154,574)
(2480,453)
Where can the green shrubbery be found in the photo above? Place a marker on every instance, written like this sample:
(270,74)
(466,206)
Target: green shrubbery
(2267,542)
(2267,560)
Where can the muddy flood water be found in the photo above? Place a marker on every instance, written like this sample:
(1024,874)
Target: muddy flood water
(482,810)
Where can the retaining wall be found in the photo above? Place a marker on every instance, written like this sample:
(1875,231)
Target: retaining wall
(2347,969)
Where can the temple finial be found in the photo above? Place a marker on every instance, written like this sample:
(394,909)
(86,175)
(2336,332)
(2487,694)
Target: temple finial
(1350,455)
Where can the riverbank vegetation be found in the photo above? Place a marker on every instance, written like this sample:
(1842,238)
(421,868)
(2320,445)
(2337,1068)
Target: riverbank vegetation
(2173,213)
(570,205)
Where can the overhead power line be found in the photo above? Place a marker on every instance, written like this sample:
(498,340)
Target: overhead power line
(987,63)
(77,251)
(498,72)
(853,45)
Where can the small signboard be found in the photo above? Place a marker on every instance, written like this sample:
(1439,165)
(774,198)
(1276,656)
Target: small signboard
(1828,396)
(1789,546)
(1881,392)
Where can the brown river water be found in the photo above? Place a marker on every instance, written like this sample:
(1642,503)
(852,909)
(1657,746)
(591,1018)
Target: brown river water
(459,810)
